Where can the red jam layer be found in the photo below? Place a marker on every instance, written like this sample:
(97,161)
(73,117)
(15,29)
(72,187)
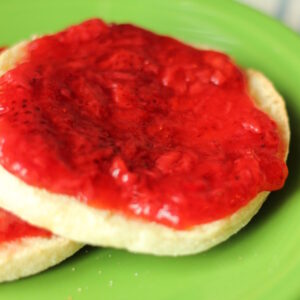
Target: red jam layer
(137,123)
(12,228)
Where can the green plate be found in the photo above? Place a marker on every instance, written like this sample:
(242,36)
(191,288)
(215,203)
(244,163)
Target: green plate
(262,261)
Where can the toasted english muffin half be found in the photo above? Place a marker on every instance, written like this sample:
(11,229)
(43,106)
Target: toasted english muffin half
(30,255)
(67,217)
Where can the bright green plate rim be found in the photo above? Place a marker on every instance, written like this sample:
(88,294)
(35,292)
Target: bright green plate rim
(262,262)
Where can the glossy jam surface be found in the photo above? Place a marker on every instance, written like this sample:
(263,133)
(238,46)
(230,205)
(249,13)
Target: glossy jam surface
(12,228)
(130,121)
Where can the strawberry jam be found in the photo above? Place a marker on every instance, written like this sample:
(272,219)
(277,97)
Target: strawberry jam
(137,123)
(12,228)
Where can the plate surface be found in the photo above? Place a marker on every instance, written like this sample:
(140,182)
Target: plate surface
(262,262)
